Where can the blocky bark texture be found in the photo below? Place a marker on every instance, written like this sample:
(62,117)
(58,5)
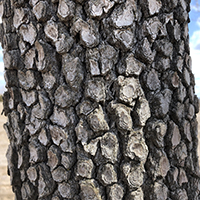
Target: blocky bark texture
(100,100)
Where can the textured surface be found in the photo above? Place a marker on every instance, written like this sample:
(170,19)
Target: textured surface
(100,99)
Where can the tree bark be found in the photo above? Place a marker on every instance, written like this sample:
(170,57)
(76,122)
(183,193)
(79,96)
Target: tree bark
(100,100)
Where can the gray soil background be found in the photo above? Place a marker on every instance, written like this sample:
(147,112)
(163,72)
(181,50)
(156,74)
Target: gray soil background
(5,188)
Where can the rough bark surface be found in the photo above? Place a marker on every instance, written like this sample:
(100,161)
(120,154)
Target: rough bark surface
(100,100)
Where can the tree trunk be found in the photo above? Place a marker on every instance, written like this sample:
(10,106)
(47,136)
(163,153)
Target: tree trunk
(100,100)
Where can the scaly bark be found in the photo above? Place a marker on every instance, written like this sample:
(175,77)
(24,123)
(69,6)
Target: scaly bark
(100,99)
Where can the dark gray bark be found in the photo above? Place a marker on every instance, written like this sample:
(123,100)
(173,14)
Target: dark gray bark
(100,100)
